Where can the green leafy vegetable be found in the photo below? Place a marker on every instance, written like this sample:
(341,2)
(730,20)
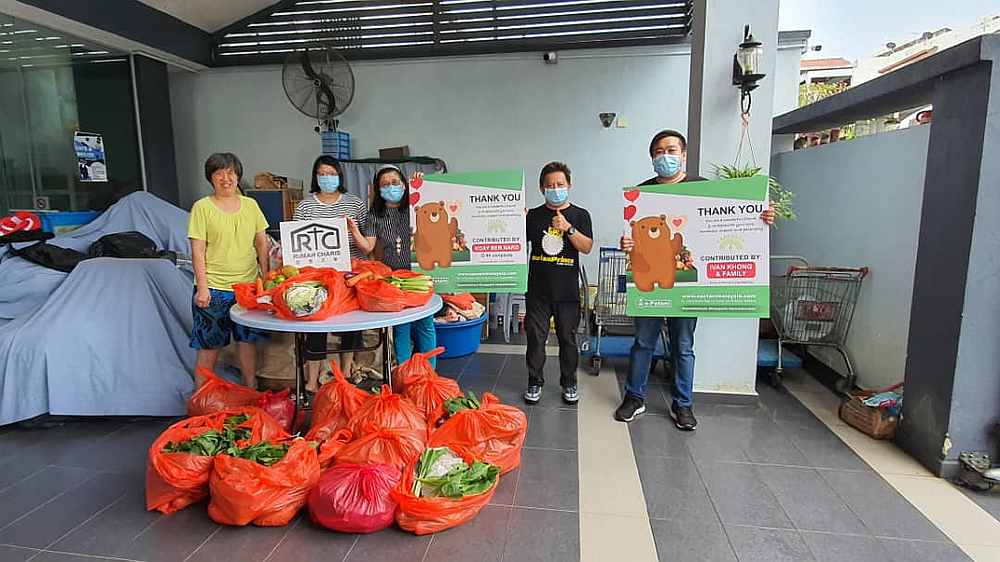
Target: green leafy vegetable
(262,453)
(441,473)
(207,444)
(213,442)
(454,405)
(415,284)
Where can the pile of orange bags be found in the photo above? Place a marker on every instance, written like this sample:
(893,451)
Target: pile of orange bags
(244,491)
(494,433)
(215,394)
(177,480)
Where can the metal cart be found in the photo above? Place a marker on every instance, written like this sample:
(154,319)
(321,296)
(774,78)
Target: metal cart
(609,306)
(814,306)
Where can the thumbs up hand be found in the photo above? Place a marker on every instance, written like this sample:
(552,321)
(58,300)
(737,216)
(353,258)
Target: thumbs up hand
(560,223)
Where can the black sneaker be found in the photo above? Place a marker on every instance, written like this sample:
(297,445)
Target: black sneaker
(630,409)
(533,394)
(683,418)
(570,395)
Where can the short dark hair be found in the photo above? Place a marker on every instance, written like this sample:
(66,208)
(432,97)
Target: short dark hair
(329,161)
(378,204)
(553,167)
(664,134)
(223,161)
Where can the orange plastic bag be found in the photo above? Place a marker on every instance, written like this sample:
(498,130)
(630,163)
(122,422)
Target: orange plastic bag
(494,433)
(418,365)
(423,516)
(247,295)
(337,401)
(462,301)
(279,406)
(340,298)
(429,390)
(376,295)
(395,447)
(177,480)
(245,492)
(370,266)
(215,394)
(385,410)
(330,446)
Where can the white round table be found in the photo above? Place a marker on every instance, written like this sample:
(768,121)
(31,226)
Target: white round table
(349,322)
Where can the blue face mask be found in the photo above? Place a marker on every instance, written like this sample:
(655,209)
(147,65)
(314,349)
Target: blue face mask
(328,184)
(556,195)
(667,165)
(392,193)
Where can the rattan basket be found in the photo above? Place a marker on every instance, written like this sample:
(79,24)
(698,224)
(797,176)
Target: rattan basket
(873,422)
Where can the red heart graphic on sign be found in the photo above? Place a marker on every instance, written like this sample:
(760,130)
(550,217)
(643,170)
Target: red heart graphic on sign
(632,195)
(417,183)
(414,198)
(678,222)
(630,212)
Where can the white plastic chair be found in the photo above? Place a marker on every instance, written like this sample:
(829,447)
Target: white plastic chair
(505,304)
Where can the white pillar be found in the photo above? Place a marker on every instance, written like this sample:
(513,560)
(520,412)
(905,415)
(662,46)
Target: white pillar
(726,349)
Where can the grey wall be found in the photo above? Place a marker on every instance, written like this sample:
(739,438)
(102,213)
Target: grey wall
(859,204)
(488,112)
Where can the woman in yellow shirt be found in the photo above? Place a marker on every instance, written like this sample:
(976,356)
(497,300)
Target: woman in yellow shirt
(228,244)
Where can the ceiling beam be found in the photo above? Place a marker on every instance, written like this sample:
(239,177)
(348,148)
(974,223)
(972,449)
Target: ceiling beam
(133,21)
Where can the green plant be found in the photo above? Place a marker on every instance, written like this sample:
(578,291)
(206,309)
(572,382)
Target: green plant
(781,198)
(815,91)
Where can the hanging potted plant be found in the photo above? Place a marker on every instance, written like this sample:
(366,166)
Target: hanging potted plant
(781,198)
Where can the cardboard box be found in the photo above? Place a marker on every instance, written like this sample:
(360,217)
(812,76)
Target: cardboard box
(267,180)
(394,153)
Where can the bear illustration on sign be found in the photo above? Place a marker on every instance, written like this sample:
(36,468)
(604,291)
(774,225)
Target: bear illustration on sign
(434,235)
(655,245)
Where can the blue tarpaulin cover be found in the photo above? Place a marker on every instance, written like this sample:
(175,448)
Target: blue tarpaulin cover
(110,338)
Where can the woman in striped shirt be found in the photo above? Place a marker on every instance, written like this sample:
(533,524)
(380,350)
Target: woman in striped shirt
(329,199)
(389,228)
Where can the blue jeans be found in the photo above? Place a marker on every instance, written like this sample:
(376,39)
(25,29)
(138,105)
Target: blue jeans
(419,334)
(681,333)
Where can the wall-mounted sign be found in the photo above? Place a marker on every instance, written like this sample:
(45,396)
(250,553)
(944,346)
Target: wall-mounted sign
(91,159)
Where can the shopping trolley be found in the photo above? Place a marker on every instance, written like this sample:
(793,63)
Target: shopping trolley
(609,305)
(814,306)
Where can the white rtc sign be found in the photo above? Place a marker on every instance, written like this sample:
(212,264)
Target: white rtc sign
(316,243)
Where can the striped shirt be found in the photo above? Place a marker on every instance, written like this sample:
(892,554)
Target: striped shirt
(392,231)
(348,205)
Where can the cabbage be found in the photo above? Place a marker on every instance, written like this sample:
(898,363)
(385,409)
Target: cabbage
(305,298)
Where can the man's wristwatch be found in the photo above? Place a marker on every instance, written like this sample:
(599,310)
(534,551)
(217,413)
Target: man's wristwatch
(571,231)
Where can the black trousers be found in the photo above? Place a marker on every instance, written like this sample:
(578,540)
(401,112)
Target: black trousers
(316,344)
(536,325)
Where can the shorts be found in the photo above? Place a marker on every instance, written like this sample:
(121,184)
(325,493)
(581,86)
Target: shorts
(316,344)
(213,328)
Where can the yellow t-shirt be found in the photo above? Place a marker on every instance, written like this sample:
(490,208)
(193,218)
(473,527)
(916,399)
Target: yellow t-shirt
(230,253)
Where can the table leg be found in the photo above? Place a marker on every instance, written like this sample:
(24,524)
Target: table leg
(386,357)
(299,372)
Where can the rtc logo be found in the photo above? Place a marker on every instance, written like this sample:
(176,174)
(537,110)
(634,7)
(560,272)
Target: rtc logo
(314,238)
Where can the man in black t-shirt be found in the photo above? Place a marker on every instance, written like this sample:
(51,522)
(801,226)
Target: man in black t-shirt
(558,232)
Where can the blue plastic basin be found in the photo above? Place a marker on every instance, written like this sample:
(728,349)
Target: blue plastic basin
(459,338)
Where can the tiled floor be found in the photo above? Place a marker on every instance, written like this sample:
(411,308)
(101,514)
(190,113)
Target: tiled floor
(770,482)
(766,482)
